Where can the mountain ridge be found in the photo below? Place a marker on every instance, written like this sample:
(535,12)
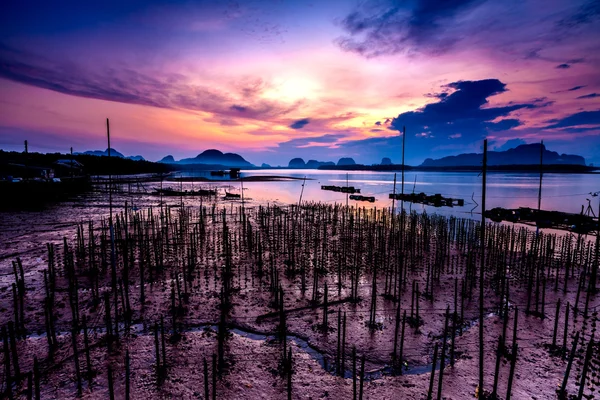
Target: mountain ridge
(525,154)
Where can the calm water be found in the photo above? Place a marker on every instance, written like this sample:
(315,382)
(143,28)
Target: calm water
(563,192)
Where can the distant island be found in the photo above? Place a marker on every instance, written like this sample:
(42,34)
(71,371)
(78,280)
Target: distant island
(523,158)
(525,154)
(212,157)
(311,164)
(113,153)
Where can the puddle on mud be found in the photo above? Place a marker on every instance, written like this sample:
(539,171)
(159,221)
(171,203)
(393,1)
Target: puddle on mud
(270,339)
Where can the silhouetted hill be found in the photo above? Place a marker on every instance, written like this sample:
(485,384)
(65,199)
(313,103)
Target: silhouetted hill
(386,161)
(167,160)
(310,164)
(314,164)
(99,153)
(113,153)
(525,154)
(296,163)
(346,161)
(215,157)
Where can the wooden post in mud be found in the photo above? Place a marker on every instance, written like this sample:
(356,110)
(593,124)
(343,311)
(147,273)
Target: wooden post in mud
(563,387)
(111,389)
(127,374)
(354,373)
(344,345)
(164,364)
(36,377)
(396,331)
(76,361)
(289,374)
(482,266)
(338,357)
(497,370)
(564,346)
(586,365)
(214,377)
(88,360)
(325,310)
(555,331)
(432,377)
(29,385)
(13,350)
(443,357)
(206,393)
(362,377)
(157,349)
(401,353)
(7,373)
(513,359)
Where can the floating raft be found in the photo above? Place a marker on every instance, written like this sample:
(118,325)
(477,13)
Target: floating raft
(171,192)
(342,189)
(370,199)
(436,200)
(578,223)
(232,195)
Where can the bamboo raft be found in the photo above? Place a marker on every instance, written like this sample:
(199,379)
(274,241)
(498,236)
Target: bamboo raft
(229,195)
(578,223)
(436,200)
(341,189)
(176,193)
(370,199)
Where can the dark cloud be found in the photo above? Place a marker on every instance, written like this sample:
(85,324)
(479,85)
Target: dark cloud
(463,112)
(529,30)
(563,66)
(241,109)
(586,13)
(575,88)
(391,28)
(305,141)
(378,123)
(134,87)
(301,123)
(577,119)
(589,96)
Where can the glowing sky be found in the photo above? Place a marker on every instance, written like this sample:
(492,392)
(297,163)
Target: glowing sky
(273,80)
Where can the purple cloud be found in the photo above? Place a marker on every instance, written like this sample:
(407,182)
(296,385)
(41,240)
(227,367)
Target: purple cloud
(124,85)
(301,123)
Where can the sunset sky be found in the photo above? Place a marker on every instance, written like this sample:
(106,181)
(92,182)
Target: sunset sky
(272,80)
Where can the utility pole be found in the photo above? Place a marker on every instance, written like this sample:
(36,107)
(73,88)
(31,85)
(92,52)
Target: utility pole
(482,267)
(541,174)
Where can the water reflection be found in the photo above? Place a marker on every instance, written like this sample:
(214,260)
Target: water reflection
(562,192)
